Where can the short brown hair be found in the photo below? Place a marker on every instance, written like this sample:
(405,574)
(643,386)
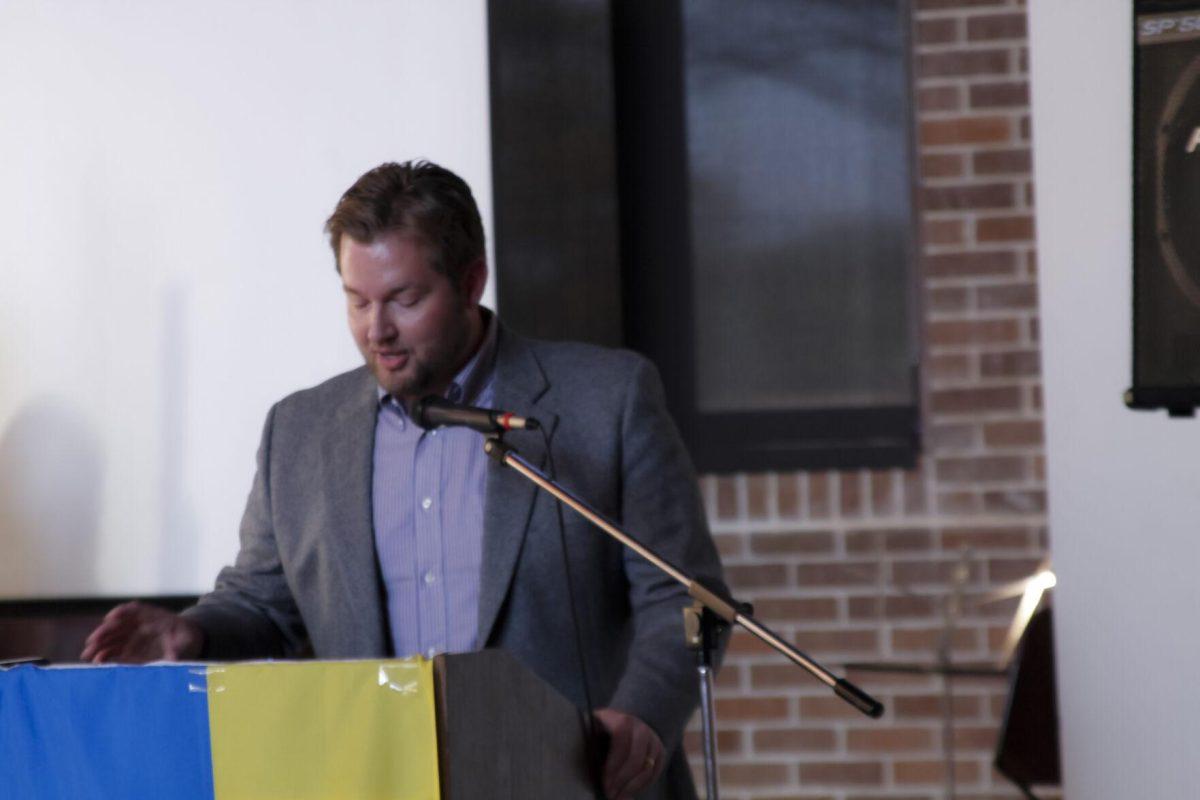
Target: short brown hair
(416,197)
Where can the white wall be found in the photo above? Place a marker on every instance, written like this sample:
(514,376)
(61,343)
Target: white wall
(165,171)
(1124,486)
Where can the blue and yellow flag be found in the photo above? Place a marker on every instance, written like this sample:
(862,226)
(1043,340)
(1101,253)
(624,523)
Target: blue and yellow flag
(294,730)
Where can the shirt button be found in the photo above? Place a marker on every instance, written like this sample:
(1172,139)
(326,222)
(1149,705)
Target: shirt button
(431,652)
(426,503)
(430,577)
(433,432)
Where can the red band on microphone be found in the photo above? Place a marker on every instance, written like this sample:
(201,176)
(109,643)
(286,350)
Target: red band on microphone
(506,420)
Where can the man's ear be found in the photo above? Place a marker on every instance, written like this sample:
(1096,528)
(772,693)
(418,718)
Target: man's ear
(473,280)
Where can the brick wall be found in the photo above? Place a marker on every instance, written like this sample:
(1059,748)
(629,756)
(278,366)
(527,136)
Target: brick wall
(853,566)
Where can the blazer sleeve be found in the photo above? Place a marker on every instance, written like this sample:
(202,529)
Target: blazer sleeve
(661,502)
(251,612)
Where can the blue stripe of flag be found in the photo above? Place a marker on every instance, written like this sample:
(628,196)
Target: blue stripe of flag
(136,733)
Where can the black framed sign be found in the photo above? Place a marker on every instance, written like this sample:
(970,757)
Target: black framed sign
(1166,198)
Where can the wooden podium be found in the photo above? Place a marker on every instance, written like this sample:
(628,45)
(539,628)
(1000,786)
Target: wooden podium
(505,733)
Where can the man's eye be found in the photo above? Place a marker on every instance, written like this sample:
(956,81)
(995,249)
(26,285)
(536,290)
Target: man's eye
(408,299)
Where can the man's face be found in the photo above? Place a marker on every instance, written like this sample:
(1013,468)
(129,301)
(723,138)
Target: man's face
(412,325)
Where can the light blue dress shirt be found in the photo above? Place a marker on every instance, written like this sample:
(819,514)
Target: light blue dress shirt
(428,491)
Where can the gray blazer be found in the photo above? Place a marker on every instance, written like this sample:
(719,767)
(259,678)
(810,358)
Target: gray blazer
(306,580)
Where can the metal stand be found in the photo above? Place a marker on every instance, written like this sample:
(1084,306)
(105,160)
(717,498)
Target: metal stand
(702,628)
(724,608)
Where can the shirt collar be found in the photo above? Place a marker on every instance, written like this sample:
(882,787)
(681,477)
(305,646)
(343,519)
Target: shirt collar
(472,379)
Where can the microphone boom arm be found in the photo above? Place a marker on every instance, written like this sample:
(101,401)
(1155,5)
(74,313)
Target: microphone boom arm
(726,608)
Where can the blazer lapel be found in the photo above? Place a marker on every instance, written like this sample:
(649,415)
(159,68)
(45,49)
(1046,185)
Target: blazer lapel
(509,497)
(349,452)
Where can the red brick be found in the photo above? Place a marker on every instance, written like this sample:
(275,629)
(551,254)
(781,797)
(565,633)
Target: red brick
(842,573)
(840,773)
(863,608)
(899,540)
(981,470)
(909,573)
(939,98)
(961,63)
(755,576)
(756,496)
(794,740)
(1004,229)
(1005,94)
(818,495)
(883,493)
(929,706)
(947,367)
(838,640)
(944,439)
(752,708)
(943,165)
(1005,296)
(730,741)
(729,677)
(954,333)
(981,738)
(1007,570)
(1015,501)
(827,707)
(1013,363)
(1017,161)
(965,401)
(789,609)
(942,30)
(934,772)
(850,499)
(889,740)
(899,606)
(754,774)
(808,542)
(787,495)
(726,498)
(969,264)
(915,501)
(965,130)
(996,26)
(968,196)
(779,675)
(948,298)
(745,644)
(958,503)
(1014,538)
(943,231)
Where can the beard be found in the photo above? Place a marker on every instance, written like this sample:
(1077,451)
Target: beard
(428,372)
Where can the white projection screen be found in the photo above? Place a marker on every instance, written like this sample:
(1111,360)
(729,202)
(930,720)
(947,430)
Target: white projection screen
(166,169)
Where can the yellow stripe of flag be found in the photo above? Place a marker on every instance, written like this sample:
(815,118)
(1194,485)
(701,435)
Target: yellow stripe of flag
(300,730)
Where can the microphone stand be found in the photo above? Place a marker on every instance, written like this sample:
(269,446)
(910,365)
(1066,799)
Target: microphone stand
(703,621)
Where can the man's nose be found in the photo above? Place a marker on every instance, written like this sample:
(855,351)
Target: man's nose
(379,327)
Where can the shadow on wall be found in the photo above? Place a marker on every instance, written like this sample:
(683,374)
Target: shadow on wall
(51,467)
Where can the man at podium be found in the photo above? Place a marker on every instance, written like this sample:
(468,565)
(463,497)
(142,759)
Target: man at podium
(366,535)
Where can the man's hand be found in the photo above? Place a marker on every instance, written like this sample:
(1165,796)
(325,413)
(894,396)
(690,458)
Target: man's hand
(635,754)
(135,633)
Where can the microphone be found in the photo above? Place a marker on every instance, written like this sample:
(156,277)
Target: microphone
(432,411)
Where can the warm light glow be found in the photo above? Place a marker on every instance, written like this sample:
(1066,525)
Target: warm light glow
(1035,586)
